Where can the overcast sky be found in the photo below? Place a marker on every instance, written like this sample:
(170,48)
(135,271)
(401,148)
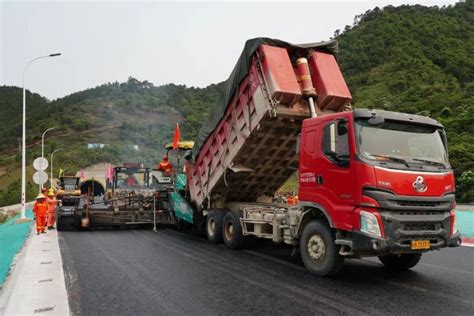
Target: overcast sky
(193,43)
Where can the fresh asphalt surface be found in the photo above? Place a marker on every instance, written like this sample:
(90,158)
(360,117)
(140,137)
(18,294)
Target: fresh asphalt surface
(116,272)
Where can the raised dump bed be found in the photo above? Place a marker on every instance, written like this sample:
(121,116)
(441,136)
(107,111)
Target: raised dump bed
(247,150)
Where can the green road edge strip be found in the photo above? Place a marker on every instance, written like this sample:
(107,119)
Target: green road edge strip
(12,238)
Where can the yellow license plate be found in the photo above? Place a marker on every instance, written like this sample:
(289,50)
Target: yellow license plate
(420,244)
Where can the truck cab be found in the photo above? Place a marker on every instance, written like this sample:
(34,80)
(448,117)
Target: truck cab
(382,180)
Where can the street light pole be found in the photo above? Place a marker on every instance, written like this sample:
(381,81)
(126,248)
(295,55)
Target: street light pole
(42,149)
(23,142)
(42,140)
(52,157)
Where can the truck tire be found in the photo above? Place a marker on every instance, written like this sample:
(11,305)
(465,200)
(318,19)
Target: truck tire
(401,262)
(214,222)
(319,252)
(232,230)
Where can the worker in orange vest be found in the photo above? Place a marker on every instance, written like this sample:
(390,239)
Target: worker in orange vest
(165,165)
(40,209)
(52,203)
(290,200)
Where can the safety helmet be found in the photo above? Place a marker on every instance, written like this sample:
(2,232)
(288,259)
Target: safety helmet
(40,196)
(51,192)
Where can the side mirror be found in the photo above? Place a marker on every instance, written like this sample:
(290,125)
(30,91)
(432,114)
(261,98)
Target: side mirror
(342,128)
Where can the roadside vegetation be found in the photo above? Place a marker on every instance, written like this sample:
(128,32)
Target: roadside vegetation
(410,59)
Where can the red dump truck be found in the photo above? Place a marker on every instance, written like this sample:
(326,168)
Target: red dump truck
(371,182)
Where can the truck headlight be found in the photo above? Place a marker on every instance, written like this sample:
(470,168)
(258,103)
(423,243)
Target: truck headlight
(369,224)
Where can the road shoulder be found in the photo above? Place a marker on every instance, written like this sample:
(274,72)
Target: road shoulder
(36,284)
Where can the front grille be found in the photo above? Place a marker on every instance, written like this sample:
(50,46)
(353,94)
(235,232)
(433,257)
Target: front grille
(417,213)
(394,202)
(420,226)
(418,204)
(402,227)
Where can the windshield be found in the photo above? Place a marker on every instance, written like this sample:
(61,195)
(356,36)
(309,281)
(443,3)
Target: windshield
(130,179)
(402,142)
(70,184)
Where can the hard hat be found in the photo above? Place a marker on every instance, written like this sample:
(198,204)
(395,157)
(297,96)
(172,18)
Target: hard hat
(51,192)
(40,196)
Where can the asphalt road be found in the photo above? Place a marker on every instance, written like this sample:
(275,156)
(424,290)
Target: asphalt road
(171,273)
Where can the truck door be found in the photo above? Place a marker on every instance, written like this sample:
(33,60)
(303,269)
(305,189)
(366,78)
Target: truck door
(331,184)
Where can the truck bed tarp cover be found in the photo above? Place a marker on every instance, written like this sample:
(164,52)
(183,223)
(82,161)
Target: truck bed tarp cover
(238,74)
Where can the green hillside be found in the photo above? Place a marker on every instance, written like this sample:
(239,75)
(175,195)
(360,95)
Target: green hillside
(419,60)
(411,59)
(119,115)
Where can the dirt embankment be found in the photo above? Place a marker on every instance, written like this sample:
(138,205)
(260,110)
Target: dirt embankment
(10,211)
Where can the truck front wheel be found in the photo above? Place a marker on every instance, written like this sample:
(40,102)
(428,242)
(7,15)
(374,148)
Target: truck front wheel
(319,252)
(214,226)
(400,262)
(232,231)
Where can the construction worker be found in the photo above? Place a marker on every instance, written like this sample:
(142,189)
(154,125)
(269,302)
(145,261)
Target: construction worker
(52,203)
(40,209)
(290,200)
(131,181)
(165,165)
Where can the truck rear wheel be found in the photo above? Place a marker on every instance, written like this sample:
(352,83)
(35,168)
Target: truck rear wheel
(232,231)
(214,226)
(319,252)
(400,262)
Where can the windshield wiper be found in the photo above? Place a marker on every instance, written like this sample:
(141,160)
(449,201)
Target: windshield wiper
(393,158)
(431,162)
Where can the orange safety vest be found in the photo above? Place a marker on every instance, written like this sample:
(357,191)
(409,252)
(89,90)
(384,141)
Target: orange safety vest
(290,200)
(52,202)
(40,208)
(165,166)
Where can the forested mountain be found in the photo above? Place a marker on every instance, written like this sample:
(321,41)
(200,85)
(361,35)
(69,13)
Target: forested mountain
(411,59)
(419,60)
(119,115)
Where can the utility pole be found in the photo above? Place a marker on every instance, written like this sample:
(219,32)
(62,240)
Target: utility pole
(23,142)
